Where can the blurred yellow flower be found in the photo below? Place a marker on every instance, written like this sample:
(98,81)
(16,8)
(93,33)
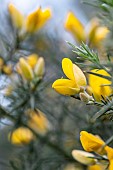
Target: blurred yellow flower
(16,17)
(37,19)
(21,136)
(33,22)
(5,68)
(92,143)
(100,86)
(38,121)
(32,60)
(92,33)
(75,82)
(25,69)
(31,67)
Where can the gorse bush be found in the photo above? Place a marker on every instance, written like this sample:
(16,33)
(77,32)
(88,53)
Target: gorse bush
(48,107)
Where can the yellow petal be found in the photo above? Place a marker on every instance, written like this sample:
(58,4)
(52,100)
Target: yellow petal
(91,143)
(100,34)
(31,20)
(40,67)
(65,87)
(45,15)
(26,69)
(75,27)
(79,76)
(16,17)
(111,165)
(97,167)
(67,67)
(96,83)
(37,19)
(91,30)
(84,157)
(109,151)
(21,136)
(32,60)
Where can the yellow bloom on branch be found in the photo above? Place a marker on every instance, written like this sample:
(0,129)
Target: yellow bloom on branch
(21,136)
(31,67)
(75,27)
(75,82)
(92,143)
(37,19)
(38,121)
(92,33)
(16,17)
(33,22)
(100,86)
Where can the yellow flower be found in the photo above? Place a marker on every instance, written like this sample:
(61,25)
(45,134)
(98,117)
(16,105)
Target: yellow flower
(84,157)
(97,84)
(7,69)
(76,79)
(92,143)
(16,17)
(40,67)
(75,27)
(38,121)
(21,136)
(37,19)
(31,67)
(92,33)
(33,22)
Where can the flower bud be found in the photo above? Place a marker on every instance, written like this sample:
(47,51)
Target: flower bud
(21,136)
(38,121)
(26,69)
(40,67)
(84,157)
(7,69)
(16,17)
(85,97)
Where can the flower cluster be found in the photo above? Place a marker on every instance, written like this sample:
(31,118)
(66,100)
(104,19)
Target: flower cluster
(92,33)
(36,121)
(32,23)
(103,157)
(31,67)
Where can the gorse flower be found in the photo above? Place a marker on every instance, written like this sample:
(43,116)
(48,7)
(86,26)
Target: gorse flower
(21,136)
(31,67)
(75,82)
(92,33)
(5,68)
(92,143)
(100,86)
(33,22)
(38,121)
